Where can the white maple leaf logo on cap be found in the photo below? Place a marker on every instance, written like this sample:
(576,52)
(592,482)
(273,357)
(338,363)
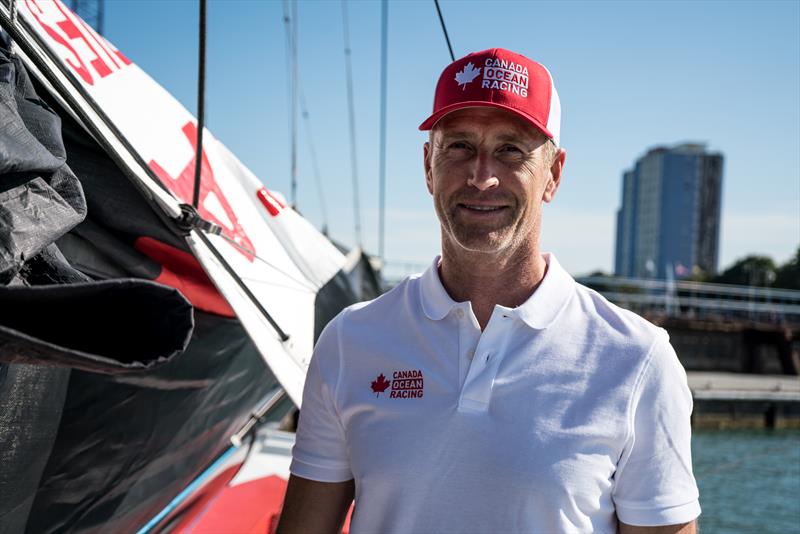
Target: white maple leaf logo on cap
(467,74)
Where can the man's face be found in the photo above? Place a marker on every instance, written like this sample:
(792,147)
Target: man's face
(489,173)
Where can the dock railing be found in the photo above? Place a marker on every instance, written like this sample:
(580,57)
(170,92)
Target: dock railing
(671,298)
(689,299)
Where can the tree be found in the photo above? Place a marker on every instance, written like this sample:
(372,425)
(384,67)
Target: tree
(788,275)
(749,271)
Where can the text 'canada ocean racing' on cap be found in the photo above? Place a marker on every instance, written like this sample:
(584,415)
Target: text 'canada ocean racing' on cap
(502,79)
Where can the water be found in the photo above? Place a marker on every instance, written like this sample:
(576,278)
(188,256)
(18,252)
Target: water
(749,481)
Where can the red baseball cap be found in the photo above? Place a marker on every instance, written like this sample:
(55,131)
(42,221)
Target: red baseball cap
(501,79)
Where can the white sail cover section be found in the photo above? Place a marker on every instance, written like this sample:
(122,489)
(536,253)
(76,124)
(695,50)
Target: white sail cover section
(280,256)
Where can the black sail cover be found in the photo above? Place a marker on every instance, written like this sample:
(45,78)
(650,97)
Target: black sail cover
(40,197)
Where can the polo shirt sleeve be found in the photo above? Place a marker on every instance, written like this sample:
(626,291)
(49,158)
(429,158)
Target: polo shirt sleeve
(320,449)
(653,483)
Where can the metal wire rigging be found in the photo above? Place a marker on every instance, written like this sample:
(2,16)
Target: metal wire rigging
(444,29)
(198,162)
(314,163)
(201,103)
(293,119)
(294,88)
(382,158)
(351,106)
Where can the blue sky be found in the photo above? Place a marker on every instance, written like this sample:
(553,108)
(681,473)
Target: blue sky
(631,75)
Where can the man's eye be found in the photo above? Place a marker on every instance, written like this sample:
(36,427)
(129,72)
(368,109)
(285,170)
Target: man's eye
(458,145)
(510,148)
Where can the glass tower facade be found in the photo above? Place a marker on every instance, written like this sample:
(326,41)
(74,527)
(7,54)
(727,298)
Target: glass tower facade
(670,214)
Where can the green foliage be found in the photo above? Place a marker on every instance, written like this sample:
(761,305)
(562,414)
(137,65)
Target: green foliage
(762,271)
(788,274)
(749,271)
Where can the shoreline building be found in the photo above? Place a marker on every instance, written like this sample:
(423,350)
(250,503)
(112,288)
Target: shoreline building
(669,221)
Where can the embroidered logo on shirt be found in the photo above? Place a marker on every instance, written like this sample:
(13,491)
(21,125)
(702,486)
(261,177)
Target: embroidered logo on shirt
(405,384)
(379,385)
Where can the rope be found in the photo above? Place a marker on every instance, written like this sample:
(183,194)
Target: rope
(302,283)
(353,159)
(225,265)
(444,29)
(314,163)
(13,13)
(201,104)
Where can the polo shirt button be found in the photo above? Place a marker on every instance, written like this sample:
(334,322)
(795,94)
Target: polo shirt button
(460,313)
(470,354)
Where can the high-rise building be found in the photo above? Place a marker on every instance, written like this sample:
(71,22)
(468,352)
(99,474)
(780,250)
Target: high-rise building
(91,11)
(670,213)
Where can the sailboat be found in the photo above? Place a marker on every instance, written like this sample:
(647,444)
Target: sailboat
(156,316)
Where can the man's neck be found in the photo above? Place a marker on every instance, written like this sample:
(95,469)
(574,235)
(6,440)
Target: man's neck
(489,279)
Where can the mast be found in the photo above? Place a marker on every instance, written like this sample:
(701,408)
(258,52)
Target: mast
(294,103)
(382,170)
(351,106)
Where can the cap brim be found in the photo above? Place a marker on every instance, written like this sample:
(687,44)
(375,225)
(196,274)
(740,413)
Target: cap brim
(431,121)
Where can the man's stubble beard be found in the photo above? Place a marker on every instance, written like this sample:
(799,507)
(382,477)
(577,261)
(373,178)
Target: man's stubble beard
(484,238)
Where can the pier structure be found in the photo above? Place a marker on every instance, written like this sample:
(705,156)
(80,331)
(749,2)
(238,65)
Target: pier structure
(735,400)
(716,327)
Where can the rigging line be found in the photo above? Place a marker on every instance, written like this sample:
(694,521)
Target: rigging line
(290,40)
(201,104)
(263,283)
(290,32)
(13,12)
(444,29)
(304,113)
(268,264)
(353,159)
(294,104)
(314,163)
(287,31)
(382,156)
(101,15)
(245,289)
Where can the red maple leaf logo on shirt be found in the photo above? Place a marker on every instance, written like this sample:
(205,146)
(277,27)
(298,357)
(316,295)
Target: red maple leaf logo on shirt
(380,385)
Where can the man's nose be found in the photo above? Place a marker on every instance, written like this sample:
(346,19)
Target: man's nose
(483,175)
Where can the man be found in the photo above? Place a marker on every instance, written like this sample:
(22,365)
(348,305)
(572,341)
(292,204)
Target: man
(493,393)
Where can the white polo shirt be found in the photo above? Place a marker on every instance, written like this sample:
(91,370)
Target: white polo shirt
(562,415)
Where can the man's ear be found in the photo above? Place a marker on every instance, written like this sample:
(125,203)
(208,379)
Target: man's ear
(426,161)
(556,170)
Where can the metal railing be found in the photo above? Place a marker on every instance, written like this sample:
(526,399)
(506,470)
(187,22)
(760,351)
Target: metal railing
(674,298)
(682,298)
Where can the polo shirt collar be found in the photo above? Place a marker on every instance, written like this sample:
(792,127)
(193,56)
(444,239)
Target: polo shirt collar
(543,307)
(539,311)
(436,303)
